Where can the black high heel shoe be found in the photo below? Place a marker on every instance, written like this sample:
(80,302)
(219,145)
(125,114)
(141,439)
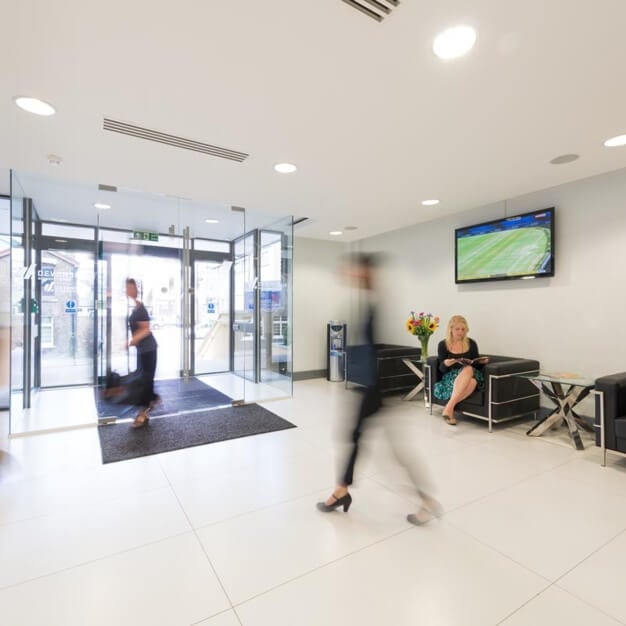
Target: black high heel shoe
(344,501)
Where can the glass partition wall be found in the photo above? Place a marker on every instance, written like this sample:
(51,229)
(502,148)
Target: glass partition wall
(5,308)
(215,280)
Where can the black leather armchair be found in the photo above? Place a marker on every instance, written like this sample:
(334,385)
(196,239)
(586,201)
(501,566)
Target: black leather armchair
(612,401)
(505,396)
(392,374)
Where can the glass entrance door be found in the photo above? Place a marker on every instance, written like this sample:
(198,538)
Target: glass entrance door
(65,286)
(275,300)
(245,306)
(157,271)
(215,280)
(212,317)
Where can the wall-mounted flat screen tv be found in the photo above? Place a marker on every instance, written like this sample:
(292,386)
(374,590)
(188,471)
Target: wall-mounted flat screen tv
(521,246)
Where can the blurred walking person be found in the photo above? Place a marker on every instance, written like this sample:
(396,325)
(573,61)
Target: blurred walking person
(146,345)
(361,270)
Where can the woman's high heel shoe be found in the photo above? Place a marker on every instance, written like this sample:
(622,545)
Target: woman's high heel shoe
(344,501)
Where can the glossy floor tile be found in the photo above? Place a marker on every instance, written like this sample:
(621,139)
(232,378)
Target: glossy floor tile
(555,606)
(433,575)
(54,408)
(167,582)
(227,534)
(599,579)
(291,539)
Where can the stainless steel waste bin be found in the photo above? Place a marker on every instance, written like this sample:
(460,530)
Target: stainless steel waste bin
(335,352)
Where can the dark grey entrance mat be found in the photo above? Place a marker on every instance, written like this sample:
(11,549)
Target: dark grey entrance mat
(120,442)
(177,396)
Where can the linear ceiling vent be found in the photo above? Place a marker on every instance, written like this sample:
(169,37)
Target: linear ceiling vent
(299,220)
(172,140)
(376,9)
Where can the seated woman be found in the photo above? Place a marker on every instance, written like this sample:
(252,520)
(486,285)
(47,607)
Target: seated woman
(458,361)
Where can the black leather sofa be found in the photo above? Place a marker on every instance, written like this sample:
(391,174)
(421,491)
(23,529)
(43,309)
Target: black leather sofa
(504,398)
(613,399)
(393,374)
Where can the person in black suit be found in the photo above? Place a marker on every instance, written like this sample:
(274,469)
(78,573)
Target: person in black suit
(361,270)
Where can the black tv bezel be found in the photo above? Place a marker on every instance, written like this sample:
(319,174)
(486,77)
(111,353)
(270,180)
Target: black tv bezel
(549,274)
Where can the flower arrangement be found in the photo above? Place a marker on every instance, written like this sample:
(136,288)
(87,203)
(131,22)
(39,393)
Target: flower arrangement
(422,325)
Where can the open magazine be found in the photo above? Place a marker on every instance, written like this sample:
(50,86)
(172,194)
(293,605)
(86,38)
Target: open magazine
(479,360)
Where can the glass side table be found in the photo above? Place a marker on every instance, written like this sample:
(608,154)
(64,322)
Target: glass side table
(565,392)
(421,369)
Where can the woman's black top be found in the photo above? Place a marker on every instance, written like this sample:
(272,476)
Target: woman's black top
(140,314)
(443,353)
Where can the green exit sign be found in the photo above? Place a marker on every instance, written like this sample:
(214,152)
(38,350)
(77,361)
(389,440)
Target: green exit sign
(145,236)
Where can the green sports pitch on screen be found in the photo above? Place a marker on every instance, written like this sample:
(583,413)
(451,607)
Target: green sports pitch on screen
(521,246)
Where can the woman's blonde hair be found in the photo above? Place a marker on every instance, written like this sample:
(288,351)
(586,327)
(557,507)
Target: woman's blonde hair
(455,320)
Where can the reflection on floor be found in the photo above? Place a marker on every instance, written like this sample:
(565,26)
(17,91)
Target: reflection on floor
(51,409)
(533,531)
(74,407)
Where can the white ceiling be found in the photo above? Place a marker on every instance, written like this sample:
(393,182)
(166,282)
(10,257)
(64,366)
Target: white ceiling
(374,121)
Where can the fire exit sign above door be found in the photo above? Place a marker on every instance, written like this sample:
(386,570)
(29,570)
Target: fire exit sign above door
(145,236)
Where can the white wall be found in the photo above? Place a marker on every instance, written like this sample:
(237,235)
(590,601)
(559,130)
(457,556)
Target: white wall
(573,322)
(318,296)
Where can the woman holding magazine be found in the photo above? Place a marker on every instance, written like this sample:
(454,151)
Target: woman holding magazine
(460,364)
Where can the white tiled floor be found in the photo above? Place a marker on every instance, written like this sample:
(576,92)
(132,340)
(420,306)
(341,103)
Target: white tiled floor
(227,534)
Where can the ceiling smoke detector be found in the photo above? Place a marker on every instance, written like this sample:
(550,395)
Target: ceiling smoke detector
(564,158)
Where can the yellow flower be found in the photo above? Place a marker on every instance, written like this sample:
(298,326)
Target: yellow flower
(409,326)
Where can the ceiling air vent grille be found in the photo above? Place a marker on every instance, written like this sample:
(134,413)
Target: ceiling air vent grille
(376,9)
(173,140)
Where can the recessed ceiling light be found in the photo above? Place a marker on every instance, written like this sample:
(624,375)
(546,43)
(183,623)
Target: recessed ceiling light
(335,233)
(430,202)
(454,42)
(212,221)
(55,160)
(102,206)
(34,105)
(615,142)
(564,158)
(285,168)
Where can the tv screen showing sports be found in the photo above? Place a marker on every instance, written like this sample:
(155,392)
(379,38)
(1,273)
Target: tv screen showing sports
(521,246)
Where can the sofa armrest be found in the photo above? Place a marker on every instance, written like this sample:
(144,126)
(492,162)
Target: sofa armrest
(613,390)
(511,366)
(510,387)
(435,374)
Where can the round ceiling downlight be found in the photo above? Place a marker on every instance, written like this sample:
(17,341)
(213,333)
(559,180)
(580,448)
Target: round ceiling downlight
(34,105)
(616,142)
(285,168)
(430,202)
(454,42)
